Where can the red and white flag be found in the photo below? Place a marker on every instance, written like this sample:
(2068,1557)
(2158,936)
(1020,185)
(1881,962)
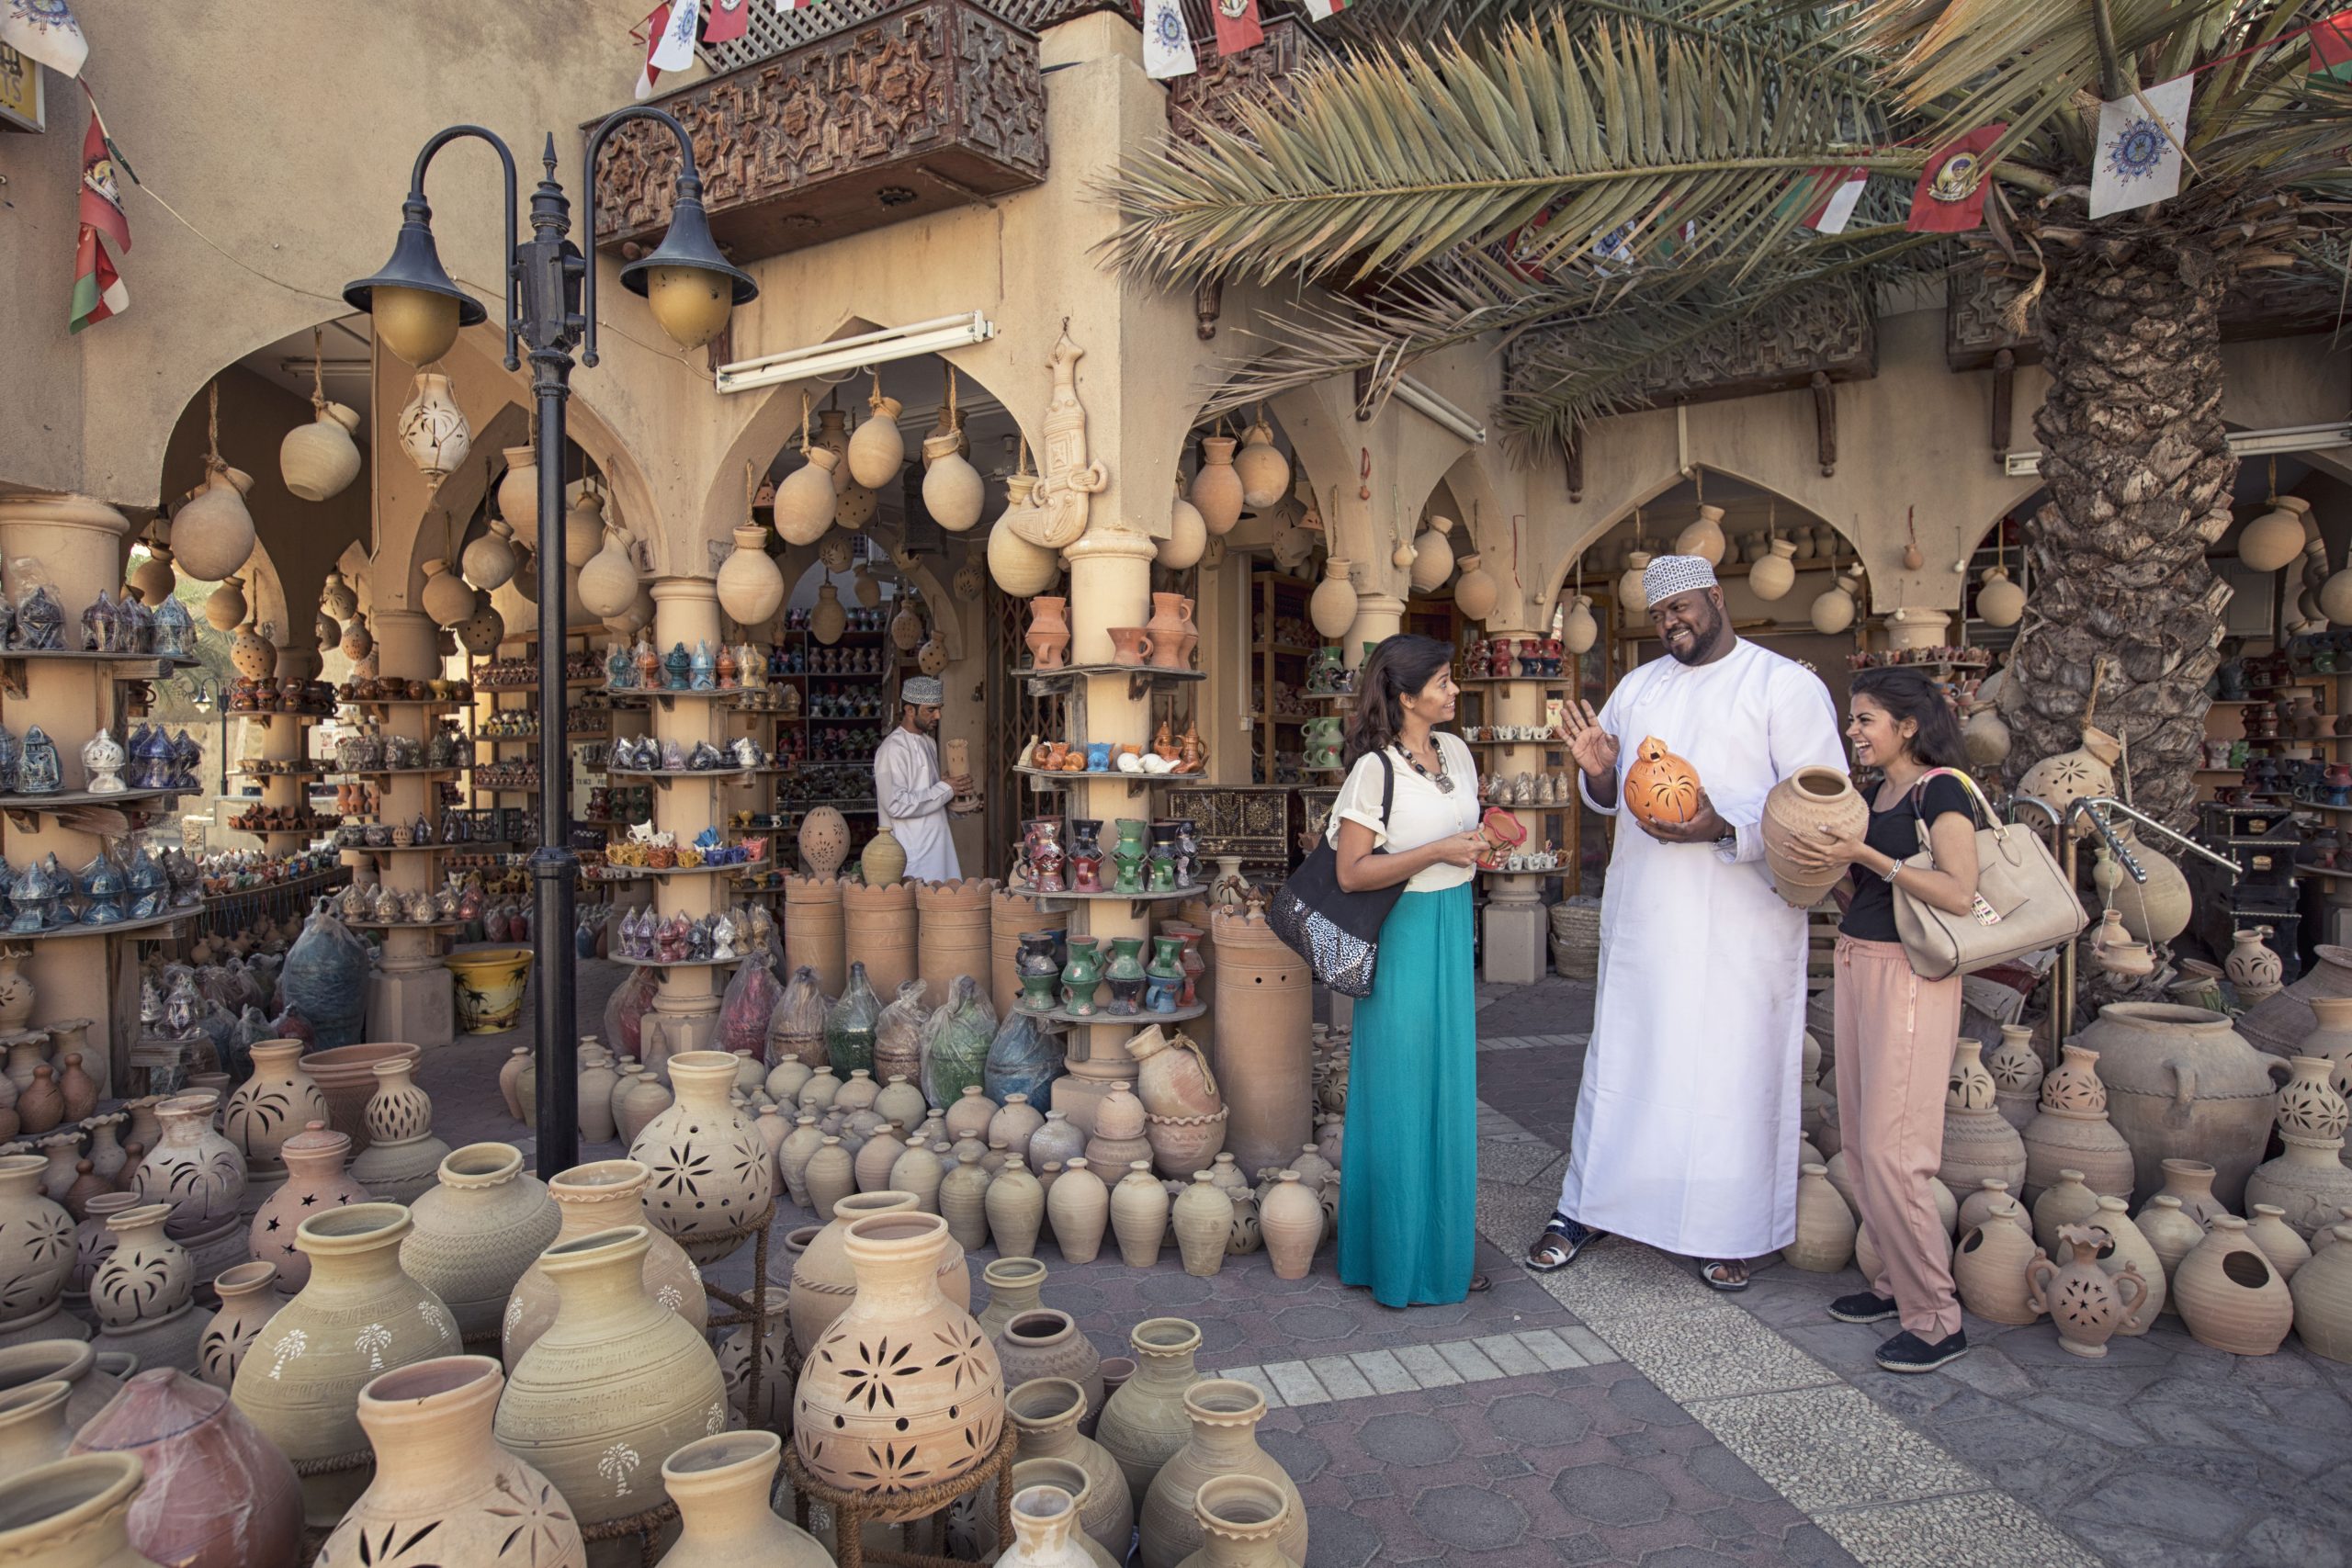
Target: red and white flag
(793,4)
(98,290)
(1324,10)
(674,43)
(650,31)
(729,20)
(1236,25)
(1949,199)
(1836,208)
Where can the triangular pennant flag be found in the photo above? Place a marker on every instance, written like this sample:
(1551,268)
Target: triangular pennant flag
(674,46)
(101,195)
(44,31)
(1835,209)
(1167,41)
(98,291)
(2138,158)
(650,31)
(729,20)
(1324,10)
(2332,47)
(1236,25)
(1950,198)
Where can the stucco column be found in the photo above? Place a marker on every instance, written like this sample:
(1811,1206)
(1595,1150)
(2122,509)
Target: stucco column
(77,542)
(411,995)
(685,1008)
(1379,617)
(1514,920)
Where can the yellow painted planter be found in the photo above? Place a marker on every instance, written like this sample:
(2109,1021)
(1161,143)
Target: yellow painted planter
(490,987)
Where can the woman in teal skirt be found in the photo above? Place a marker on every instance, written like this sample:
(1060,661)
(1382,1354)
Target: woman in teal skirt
(1409,813)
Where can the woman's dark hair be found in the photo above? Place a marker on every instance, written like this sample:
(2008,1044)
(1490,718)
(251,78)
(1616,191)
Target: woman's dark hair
(1908,693)
(1396,670)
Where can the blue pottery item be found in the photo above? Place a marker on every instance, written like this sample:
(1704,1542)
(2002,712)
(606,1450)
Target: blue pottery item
(704,668)
(26,897)
(620,670)
(1098,756)
(12,755)
(175,630)
(677,667)
(185,756)
(102,885)
(1022,1059)
(38,771)
(40,622)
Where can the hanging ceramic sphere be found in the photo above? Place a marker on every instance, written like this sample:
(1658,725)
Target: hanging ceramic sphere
(952,491)
(750,585)
(1217,489)
(1264,472)
(2276,537)
(608,583)
(878,448)
(836,552)
(527,574)
(489,561)
(855,507)
(1020,568)
(319,459)
(806,500)
(151,575)
(224,609)
(325,631)
(2335,598)
(253,654)
(212,535)
(1579,629)
(828,620)
(1776,573)
(906,626)
(518,491)
(1476,591)
(1332,605)
(2000,602)
(1704,537)
(1433,555)
(969,580)
(432,429)
(446,597)
(864,587)
(336,598)
(357,642)
(1633,602)
(583,528)
(1188,536)
(481,632)
(1834,610)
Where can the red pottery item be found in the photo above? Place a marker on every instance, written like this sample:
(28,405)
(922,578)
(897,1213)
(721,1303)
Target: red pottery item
(1660,787)
(219,1495)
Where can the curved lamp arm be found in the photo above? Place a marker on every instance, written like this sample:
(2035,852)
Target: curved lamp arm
(689,185)
(415,208)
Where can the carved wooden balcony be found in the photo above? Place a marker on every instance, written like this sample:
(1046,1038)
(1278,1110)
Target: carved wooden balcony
(2261,305)
(927,107)
(1214,95)
(1821,335)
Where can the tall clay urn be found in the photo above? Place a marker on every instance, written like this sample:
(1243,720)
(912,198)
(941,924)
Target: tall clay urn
(2182,1082)
(1143,1424)
(714,1183)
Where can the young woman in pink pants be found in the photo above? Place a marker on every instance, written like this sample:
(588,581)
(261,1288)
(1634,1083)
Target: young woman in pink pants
(1894,1029)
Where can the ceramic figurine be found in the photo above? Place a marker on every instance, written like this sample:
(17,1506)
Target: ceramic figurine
(40,622)
(703,668)
(99,630)
(677,669)
(12,757)
(175,630)
(620,669)
(102,761)
(38,771)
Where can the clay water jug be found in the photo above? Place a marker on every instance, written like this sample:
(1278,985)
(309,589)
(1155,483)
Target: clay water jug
(1139,1213)
(597,1078)
(963,1200)
(713,1183)
(143,1292)
(1170,623)
(2322,1297)
(1203,1217)
(2267,1229)
(249,1299)
(2191,1182)
(1660,787)
(37,1250)
(830,1175)
(2065,1202)
(721,1485)
(2126,1247)
(1144,1423)
(2017,1076)
(401,1156)
(948,1408)
(2230,1294)
(883,861)
(1045,1343)
(1224,1414)
(1079,1206)
(73,1513)
(1988,1265)
(614,1380)
(1047,1412)
(1015,1284)
(473,1235)
(1048,635)
(600,1196)
(2083,1301)
(1172,1076)
(218,1494)
(360,1316)
(1217,490)
(1016,1209)
(315,1182)
(1801,807)
(2172,1236)
(439,1470)
(1825,1238)
(1292,1222)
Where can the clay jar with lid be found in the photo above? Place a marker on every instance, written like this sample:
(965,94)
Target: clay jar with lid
(440,1476)
(1047,1413)
(1144,1424)
(218,1494)
(600,1196)
(472,1235)
(1224,1414)
(617,1380)
(721,1485)
(713,1181)
(314,1183)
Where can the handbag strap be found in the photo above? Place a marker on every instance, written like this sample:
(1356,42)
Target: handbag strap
(1919,800)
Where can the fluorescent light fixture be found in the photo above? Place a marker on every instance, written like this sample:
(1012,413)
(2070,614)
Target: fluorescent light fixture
(2284,441)
(1413,395)
(840,356)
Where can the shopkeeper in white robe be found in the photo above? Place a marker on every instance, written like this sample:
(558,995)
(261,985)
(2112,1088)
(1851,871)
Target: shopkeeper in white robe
(1687,1123)
(913,799)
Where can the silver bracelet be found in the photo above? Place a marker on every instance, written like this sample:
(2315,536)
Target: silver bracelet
(1894,869)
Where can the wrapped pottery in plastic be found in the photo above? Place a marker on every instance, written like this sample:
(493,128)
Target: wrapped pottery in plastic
(326,980)
(955,1043)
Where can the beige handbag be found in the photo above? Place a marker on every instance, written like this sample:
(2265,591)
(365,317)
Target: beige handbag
(2023,900)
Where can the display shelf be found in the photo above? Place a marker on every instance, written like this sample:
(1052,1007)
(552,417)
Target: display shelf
(119,927)
(636,696)
(1284,649)
(486,846)
(664,778)
(398,772)
(1062,1017)
(403,925)
(1562,679)
(448,704)
(678,963)
(71,800)
(2314,806)
(1141,678)
(318,832)
(650,873)
(15,665)
(1138,904)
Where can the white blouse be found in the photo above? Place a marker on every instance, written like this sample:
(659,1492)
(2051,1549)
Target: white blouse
(1419,812)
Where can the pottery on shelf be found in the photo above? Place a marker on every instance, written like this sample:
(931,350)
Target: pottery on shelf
(600,1196)
(1224,1414)
(713,1182)
(472,1235)
(219,1495)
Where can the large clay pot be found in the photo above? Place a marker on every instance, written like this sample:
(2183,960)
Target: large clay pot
(814,931)
(878,926)
(952,923)
(1144,1424)
(2180,1081)
(347,1075)
(1660,787)
(2071,1130)
(91,1378)
(319,459)
(1825,1237)
(721,1485)
(144,1292)
(360,1316)
(199,1173)
(1217,492)
(1801,807)
(824,840)
(713,1181)
(402,1156)
(603,1196)
(1988,1265)
(74,1513)
(2230,1294)
(2281,1023)
(270,1107)
(37,1252)
(474,1233)
(823,1283)
(2308,1183)
(2017,1076)
(1332,605)
(1261,1053)
(617,1380)
(947,1409)
(218,1494)
(750,586)
(2084,1304)
(1980,1145)
(2172,1236)
(1044,1343)
(314,1183)
(442,1478)
(1047,1413)
(1016,1209)
(212,535)
(2323,1297)
(1292,1222)
(249,1299)
(1224,1414)
(32,1426)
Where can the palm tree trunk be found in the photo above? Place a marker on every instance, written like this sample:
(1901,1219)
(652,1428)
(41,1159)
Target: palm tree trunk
(2138,467)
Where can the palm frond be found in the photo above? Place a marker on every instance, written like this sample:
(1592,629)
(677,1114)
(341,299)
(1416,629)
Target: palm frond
(1789,35)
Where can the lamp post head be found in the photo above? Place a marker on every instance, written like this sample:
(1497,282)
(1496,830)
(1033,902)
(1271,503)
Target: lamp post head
(416,307)
(691,287)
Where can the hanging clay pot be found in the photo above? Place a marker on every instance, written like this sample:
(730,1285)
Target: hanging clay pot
(1579,629)
(445,596)
(1432,555)
(805,498)
(2274,537)
(151,575)
(1020,568)
(1835,607)
(212,535)
(518,494)
(1771,578)
(1263,471)
(474,1233)
(488,561)
(357,643)
(1217,489)
(713,1183)
(608,584)
(1703,537)
(1188,536)
(952,491)
(828,620)
(877,449)
(1476,591)
(2069,776)
(1332,605)
(225,607)
(750,588)
(2000,602)
(583,528)
(433,432)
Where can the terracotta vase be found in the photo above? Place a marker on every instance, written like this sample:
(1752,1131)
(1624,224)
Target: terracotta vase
(1261,1053)
(199,1173)
(361,1315)
(1014,1285)
(442,1477)
(1203,1217)
(347,1075)
(830,1176)
(270,1107)
(2288,1252)
(1048,635)
(963,1200)
(1047,1413)
(1988,1266)
(400,1158)
(37,1254)
(601,1196)
(1660,787)
(2083,1301)
(1046,1530)
(1079,1207)
(2017,1076)
(2253,968)
(73,1513)
(2172,1236)
(2308,1103)
(2230,1294)
(1292,1222)
(614,1381)
(32,1426)
(2065,1202)
(1144,1423)
(472,1235)
(2191,1182)
(218,1494)
(823,1281)
(1224,1414)
(314,1183)
(92,1378)
(1044,1343)
(2071,1129)
(1801,807)
(2181,1081)
(721,1485)
(2124,1247)
(1016,1209)
(713,1182)
(1980,1144)
(917,1171)
(2308,1183)
(1825,1238)
(145,1292)
(2322,1297)
(1242,1520)
(1139,1214)
(249,1299)
(946,1410)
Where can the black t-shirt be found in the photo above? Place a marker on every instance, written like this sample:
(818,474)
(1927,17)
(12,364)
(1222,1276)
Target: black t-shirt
(1870,917)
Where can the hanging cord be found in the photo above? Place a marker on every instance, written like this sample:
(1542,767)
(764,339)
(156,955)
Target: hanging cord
(806,404)
(318,369)
(212,461)
(1771,512)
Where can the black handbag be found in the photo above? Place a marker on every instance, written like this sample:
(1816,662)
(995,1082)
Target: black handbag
(1336,932)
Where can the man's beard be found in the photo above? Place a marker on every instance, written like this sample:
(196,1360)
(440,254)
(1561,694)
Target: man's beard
(1702,639)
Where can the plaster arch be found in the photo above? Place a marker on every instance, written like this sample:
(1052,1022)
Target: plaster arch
(946,612)
(1406,453)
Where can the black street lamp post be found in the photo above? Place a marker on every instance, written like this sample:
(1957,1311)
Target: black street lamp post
(551,309)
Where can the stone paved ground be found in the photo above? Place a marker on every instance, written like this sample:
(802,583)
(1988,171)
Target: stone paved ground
(1620,1412)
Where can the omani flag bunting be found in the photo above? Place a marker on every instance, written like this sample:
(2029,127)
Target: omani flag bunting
(2138,161)
(1167,41)
(1324,10)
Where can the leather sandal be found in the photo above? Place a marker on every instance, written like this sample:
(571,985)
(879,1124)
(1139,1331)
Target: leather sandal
(1557,1247)
(1728,1275)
